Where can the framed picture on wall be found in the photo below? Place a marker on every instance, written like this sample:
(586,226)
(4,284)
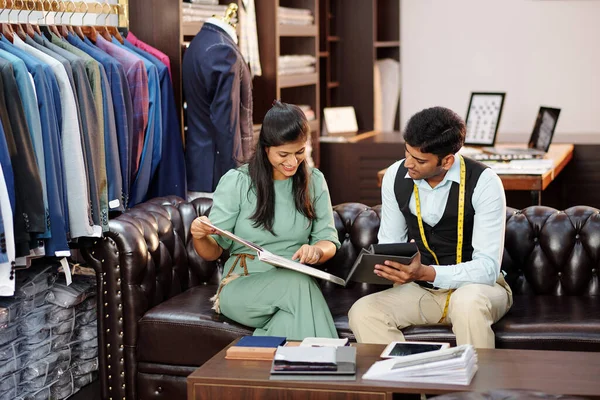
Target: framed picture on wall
(483,118)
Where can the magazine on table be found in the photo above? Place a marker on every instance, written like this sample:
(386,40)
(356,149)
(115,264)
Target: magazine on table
(452,366)
(361,271)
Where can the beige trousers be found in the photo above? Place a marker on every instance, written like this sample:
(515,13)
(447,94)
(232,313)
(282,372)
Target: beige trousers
(472,310)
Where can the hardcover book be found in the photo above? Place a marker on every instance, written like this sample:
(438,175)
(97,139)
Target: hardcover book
(255,348)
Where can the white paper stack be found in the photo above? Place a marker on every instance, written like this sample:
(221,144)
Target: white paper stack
(323,342)
(521,167)
(453,366)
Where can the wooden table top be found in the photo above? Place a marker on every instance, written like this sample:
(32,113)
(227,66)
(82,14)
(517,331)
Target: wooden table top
(560,154)
(552,372)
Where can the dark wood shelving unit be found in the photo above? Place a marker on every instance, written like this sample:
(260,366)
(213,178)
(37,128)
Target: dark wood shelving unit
(354,34)
(277,39)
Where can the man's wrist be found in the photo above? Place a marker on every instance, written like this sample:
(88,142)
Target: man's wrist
(427,273)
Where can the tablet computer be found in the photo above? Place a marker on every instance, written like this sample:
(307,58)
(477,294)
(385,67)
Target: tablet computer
(401,349)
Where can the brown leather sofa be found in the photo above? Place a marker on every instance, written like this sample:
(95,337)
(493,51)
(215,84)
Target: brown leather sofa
(157,325)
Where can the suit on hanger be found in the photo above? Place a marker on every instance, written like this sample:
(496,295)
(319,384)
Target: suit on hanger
(32,116)
(104,105)
(30,215)
(170,176)
(76,180)
(152,146)
(218,91)
(122,106)
(48,98)
(93,139)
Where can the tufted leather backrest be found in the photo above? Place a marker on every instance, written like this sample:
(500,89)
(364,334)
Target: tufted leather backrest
(550,252)
(546,251)
(171,259)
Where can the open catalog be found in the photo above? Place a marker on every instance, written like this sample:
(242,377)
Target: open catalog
(361,271)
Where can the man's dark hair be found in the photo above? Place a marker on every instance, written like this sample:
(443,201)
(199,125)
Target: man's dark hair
(436,130)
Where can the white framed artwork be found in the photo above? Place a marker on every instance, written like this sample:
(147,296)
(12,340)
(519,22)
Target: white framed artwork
(483,118)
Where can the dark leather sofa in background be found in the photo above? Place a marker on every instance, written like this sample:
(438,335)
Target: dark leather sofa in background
(156,323)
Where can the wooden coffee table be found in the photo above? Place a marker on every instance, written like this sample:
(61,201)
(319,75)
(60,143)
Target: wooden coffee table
(552,372)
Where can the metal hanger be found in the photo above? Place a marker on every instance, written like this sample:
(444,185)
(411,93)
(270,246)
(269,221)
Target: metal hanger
(88,30)
(112,30)
(17,28)
(53,27)
(102,29)
(35,28)
(65,29)
(77,28)
(6,29)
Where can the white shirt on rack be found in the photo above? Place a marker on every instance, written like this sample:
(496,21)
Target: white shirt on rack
(489,203)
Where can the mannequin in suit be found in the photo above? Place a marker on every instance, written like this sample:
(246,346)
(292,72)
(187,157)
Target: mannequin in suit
(218,90)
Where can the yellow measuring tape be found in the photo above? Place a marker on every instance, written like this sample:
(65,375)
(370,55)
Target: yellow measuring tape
(460,226)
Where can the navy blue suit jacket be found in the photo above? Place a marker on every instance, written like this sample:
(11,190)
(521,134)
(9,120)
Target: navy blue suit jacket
(218,90)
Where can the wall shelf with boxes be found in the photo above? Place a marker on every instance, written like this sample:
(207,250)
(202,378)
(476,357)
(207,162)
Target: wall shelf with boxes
(286,29)
(354,35)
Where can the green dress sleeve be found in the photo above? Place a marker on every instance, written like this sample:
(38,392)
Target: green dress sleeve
(226,204)
(323,227)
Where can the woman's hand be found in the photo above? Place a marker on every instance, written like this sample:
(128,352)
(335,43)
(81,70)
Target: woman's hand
(199,230)
(308,254)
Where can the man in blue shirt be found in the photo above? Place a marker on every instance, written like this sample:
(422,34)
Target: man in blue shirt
(454,208)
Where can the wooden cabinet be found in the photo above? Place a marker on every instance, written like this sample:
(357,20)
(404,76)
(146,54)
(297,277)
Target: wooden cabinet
(276,39)
(355,34)
(351,168)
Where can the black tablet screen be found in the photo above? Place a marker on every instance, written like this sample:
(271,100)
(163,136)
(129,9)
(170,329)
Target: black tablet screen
(404,349)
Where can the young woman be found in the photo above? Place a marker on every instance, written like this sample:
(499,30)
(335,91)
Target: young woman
(279,203)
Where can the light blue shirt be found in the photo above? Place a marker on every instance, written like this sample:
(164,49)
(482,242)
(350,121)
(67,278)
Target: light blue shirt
(489,223)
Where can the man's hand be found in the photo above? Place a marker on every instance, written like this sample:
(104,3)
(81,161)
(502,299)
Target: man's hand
(199,230)
(406,273)
(308,254)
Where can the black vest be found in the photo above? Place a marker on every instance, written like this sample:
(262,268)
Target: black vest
(443,236)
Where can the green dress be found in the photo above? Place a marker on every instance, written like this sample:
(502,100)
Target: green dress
(275,301)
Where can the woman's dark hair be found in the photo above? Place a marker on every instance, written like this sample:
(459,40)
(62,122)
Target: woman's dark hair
(283,123)
(436,130)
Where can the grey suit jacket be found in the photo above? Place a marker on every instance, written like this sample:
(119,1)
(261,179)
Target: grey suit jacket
(74,166)
(92,135)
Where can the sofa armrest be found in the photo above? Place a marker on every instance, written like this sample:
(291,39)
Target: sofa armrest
(125,289)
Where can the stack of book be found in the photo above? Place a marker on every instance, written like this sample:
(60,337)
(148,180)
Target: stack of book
(315,362)
(255,348)
(453,366)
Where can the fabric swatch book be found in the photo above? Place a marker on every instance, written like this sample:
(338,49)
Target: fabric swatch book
(255,348)
(452,366)
(361,271)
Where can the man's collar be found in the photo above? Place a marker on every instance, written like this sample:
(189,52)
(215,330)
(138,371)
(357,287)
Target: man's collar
(453,173)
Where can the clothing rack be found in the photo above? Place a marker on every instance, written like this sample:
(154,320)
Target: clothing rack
(68,6)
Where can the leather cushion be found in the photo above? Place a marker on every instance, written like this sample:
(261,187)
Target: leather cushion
(551,323)
(184,330)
